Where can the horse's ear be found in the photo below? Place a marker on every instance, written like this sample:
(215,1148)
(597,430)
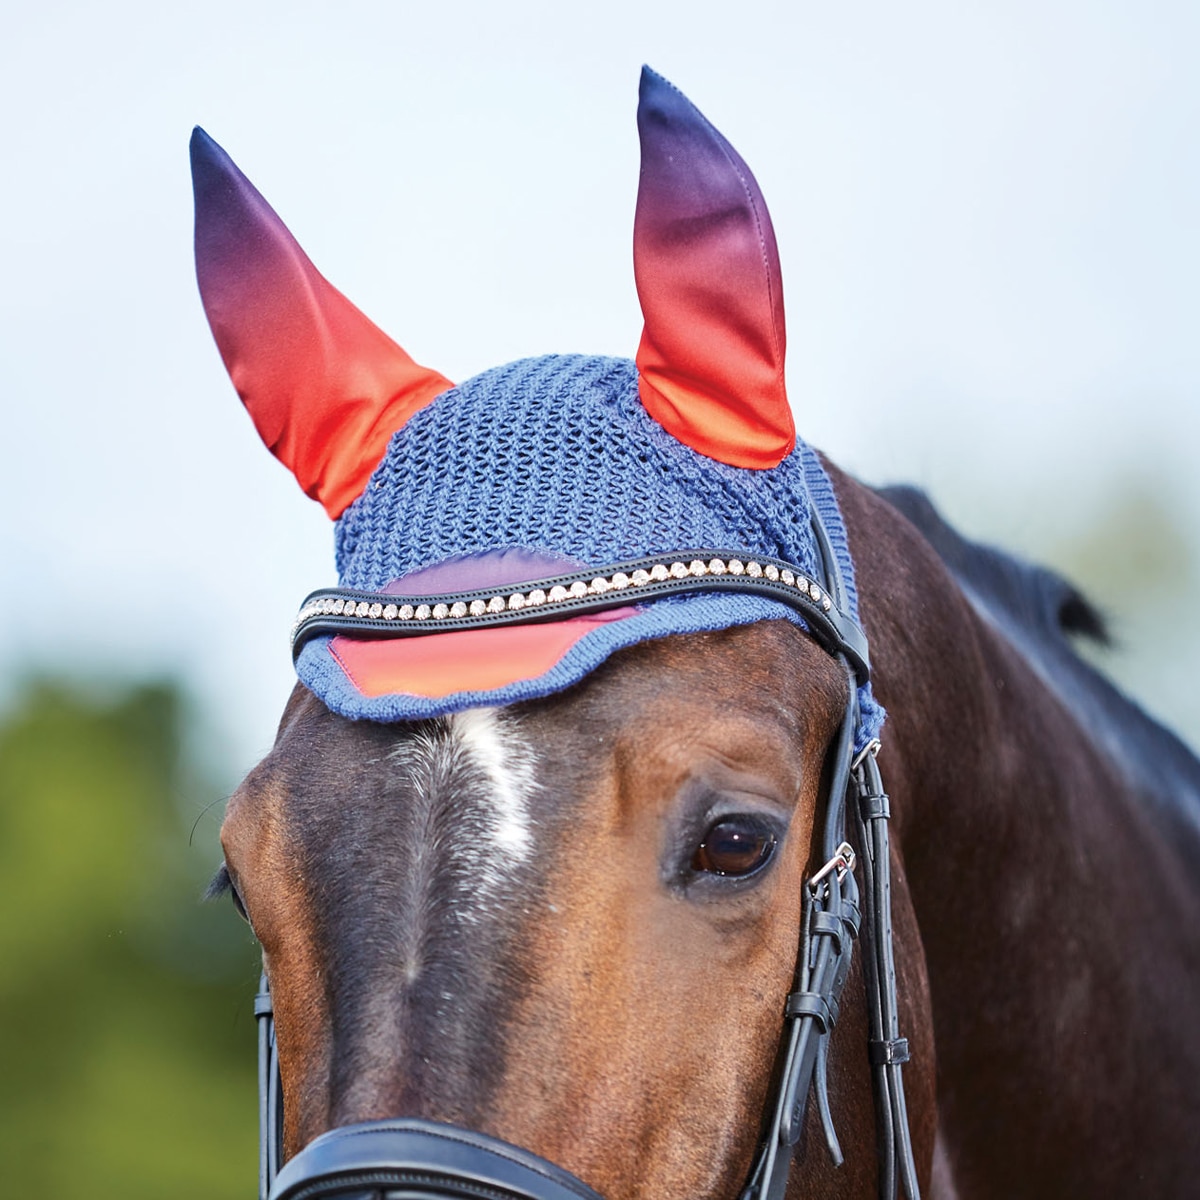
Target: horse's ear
(710,363)
(326,387)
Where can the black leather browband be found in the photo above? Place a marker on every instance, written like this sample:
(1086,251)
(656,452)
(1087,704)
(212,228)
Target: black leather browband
(357,613)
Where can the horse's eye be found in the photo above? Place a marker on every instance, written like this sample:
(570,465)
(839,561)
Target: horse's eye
(237,903)
(734,846)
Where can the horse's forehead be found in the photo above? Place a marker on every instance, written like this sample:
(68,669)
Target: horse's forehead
(742,691)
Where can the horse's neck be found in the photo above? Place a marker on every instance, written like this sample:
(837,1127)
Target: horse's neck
(1049,896)
(1007,740)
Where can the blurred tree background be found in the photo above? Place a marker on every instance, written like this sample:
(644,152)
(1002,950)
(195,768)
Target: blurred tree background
(128,1044)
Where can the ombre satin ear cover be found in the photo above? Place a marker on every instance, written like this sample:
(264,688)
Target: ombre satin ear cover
(575,459)
(325,387)
(711,359)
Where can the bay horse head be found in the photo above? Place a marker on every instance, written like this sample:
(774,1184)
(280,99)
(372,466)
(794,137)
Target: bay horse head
(549,862)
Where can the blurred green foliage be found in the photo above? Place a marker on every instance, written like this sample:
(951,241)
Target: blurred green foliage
(127,1048)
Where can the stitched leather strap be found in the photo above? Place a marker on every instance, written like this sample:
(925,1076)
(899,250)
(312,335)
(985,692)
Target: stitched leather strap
(270,1092)
(887,1049)
(831,922)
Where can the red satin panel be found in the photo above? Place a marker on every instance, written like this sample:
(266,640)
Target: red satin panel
(711,359)
(468,660)
(326,387)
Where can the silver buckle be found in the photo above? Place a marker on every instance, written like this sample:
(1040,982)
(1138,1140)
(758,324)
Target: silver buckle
(870,750)
(842,862)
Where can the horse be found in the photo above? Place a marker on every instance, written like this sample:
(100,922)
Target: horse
(540,908)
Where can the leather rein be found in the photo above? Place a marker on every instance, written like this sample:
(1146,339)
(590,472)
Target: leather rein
(836,911)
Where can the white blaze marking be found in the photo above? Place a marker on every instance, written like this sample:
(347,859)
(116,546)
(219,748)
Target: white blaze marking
(507,763)
(481,756)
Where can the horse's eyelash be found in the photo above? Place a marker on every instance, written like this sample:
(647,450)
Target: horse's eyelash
(219,885)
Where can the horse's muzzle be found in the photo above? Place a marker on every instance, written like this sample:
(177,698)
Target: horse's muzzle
(420,1160)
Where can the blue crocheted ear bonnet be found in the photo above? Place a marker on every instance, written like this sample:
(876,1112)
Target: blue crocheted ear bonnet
(557,457)
(548,466)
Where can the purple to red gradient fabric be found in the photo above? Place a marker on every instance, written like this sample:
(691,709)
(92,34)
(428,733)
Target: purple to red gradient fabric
(325,386)
(712,352)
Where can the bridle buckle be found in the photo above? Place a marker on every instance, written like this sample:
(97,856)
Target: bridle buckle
(842,862)
(870,750)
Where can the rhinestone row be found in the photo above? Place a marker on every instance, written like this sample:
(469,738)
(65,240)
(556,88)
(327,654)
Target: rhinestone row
(378,611)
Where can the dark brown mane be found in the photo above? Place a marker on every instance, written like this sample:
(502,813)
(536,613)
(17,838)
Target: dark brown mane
(1041,612)
(1039,598)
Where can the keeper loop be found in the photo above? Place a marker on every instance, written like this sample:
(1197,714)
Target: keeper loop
(874,805)
(827,925)
(823,1009)
(851,916)
(888,1053)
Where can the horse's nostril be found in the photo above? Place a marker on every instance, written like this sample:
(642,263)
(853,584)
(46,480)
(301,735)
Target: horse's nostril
(734,846)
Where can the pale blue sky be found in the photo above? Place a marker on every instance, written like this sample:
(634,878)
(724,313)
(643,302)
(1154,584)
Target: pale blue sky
(987,216)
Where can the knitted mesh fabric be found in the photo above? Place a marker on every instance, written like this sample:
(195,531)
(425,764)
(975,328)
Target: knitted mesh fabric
(558,455)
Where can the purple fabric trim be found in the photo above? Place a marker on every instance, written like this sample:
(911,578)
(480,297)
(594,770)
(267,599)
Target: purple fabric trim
(489,569)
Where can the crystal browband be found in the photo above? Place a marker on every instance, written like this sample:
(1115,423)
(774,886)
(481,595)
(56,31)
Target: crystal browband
(387,615)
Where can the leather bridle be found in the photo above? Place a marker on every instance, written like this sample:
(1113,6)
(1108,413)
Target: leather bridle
(422,1160)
